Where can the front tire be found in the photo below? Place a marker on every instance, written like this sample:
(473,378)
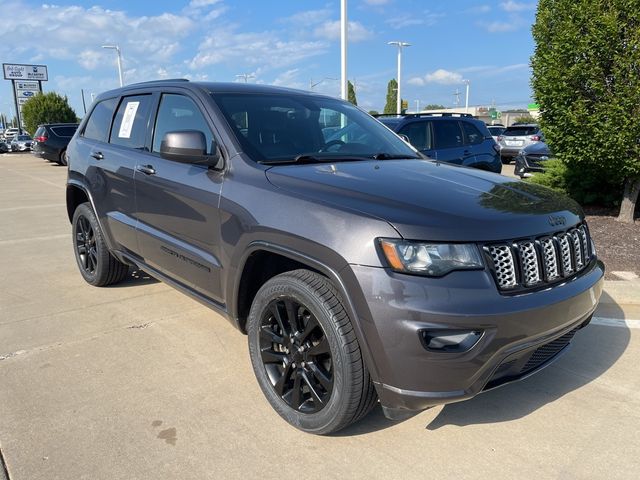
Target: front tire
(97,266)
(305,354)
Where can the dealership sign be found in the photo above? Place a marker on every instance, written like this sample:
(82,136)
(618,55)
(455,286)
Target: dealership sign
(25,72)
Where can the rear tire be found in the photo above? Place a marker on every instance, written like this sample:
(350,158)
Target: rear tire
(305,354)
(62,160)
(97,266)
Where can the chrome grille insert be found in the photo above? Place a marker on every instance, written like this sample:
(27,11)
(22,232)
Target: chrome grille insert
(529,258)
(505,266)
(532,262)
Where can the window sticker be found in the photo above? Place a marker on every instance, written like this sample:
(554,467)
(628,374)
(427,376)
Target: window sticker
(127,119)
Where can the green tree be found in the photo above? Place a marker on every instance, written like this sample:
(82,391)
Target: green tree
(525,119)
(351,93)
(433,106)
(586,79)
(373,112)
(392,97)
(47,108)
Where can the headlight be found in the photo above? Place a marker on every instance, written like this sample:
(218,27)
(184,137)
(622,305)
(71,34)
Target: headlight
(431,259)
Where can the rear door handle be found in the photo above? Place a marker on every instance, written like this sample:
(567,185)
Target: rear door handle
(146,169)
(97,155)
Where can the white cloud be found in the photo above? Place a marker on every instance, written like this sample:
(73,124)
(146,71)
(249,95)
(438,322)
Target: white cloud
(377,2)
(512,6)
(330,30)
(310,17)
(289,79)
(440,76)
(501,26)
(405,20)
(253,49)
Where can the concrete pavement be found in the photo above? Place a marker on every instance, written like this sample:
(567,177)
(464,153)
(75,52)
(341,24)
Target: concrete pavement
(137,381)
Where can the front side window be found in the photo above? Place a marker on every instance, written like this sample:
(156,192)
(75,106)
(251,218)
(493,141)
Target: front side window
(419,134)
(278,128)
(99,123)
(448,134)
(177,113)
(130,122)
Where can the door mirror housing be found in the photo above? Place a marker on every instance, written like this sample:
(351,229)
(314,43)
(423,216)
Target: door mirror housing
(189,146)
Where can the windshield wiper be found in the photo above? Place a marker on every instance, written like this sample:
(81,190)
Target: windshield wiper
(393,156)
(307,158)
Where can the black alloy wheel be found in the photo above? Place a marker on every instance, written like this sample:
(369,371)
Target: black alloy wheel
(296,355)
(86,245)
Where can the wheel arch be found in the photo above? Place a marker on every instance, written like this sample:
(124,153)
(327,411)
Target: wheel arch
(246,285)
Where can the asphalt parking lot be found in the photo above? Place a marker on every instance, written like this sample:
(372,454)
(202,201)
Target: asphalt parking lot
(138,381)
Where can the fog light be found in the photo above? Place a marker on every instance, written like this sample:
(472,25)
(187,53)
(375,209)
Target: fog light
(449,341)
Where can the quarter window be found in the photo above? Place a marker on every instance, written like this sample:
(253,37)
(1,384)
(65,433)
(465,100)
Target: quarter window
(130,123)
(474,136)
(176,113)
(99,122)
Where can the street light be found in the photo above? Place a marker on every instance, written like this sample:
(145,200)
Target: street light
(399,45)
(117,49)
(466,100)
(246,76)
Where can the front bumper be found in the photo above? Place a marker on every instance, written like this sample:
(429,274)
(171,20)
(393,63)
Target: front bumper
(513,329)
(525,166)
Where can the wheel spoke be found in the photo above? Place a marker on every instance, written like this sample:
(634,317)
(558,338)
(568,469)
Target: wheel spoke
(283,380)
(270,336)
(321,376)
(311,325)
(292,315)
(270,356)
(82,250)
(93,256)
(321,348)
(296,392)
(277,314)
(312,389)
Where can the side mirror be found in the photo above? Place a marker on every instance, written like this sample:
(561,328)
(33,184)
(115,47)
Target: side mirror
(405,138)
(188,146)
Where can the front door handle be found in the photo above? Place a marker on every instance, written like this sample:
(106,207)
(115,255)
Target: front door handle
(146,169)
(97,155)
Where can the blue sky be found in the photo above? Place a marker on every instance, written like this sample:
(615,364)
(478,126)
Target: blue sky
(283,42)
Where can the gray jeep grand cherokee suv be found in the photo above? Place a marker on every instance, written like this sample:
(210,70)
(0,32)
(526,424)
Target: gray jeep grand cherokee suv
(359,269)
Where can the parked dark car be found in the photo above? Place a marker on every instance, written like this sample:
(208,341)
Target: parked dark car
(455,138)
(516,137)
(359,269)
(4,147)
(50,141)
(21,143)
(531,159)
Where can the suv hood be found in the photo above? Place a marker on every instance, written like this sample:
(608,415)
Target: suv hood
(428,200)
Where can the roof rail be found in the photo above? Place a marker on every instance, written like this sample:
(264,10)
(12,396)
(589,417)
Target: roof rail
(162,80)
(424,114)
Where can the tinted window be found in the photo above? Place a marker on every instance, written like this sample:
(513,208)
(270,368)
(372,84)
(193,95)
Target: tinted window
(447,134)
(99,122)
(419,134)
(130,124)
(40,132)
(176,113)
(495,131)
(474,136)
(520,131)
(65,131)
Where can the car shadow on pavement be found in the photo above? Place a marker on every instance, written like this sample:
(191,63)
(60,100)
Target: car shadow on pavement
(594,350)
(135,277)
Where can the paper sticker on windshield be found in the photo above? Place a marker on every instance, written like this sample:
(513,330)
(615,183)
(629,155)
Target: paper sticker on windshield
(127,119)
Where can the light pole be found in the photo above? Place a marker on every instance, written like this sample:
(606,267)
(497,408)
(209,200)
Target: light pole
(466,99)
(343,49)
(399,45)
(117,49)
(246,76)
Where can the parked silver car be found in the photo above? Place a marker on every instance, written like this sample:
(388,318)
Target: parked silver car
(516,137)
(21,143)
(9,133)
(496,131)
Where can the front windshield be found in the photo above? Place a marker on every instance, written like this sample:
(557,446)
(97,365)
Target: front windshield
(275,128)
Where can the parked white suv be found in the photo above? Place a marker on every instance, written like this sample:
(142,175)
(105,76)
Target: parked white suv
(9,133)
(516,137)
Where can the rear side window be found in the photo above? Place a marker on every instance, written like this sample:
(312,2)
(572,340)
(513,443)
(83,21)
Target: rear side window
(99,122)
(64,131)
(520,131)
(130,123)
(419,135)
(176,113)
(474,136)
(447,134)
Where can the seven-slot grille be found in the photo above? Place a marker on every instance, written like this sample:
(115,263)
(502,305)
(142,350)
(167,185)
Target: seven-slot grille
(534,262)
